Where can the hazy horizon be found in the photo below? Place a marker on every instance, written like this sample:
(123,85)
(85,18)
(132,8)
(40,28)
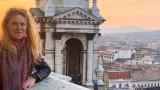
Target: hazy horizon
(125,29)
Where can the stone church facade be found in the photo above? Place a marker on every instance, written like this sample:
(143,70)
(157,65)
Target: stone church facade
(69,31)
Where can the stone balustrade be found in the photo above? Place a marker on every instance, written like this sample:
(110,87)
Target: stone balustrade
(56,82)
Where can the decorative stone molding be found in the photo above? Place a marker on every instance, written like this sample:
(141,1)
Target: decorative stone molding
(49,51)
(84,51)
(77,13)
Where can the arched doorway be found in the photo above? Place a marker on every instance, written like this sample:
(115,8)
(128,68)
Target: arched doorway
(73,58)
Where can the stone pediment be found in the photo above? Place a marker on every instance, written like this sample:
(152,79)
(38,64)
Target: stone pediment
(76,14)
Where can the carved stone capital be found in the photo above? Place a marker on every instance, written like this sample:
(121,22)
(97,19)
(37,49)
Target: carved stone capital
(57,36)
(42,35)
(90,36)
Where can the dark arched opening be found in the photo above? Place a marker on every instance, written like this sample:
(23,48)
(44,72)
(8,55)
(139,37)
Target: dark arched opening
(73,58)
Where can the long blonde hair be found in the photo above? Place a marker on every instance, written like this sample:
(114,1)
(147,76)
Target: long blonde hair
(32,35)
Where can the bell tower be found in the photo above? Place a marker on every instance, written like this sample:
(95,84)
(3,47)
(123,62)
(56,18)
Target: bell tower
(64,3)
(69,32)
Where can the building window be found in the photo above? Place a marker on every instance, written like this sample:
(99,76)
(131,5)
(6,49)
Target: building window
(134,86)
(141,85)
(127,85)
(120,85)
(114,86)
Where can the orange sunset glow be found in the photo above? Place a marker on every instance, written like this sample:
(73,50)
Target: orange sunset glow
(142,13)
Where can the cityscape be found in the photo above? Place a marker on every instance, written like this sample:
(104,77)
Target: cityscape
(131,60)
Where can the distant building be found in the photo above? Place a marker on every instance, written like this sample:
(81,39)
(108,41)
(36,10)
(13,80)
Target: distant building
(111,55)
(123,54)
(119,74)
(146,60)
(156,60)
(124,80)
(133,84)
(108,56)
(154,45)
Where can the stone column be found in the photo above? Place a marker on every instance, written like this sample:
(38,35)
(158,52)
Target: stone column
(95,56)
(84,66)
(41,46)
(49,49)
(64,52)
(42,43)
(89,60)
(58,54)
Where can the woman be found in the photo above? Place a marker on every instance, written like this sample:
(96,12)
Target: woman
(19,52)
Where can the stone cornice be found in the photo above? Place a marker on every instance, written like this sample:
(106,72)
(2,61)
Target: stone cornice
(64,21)
(45,20)
(73,16)
(78,21)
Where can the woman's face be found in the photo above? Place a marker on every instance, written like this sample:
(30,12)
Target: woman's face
(17,27)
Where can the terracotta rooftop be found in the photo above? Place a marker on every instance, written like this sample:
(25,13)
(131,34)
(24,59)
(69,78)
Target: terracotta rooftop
(119,74)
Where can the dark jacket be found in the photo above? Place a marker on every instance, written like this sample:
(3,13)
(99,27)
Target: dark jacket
(40,71)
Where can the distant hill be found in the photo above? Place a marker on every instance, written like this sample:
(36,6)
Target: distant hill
(124,29)
(148,36)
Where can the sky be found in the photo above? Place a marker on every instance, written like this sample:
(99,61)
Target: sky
(141,13)
(118,13)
